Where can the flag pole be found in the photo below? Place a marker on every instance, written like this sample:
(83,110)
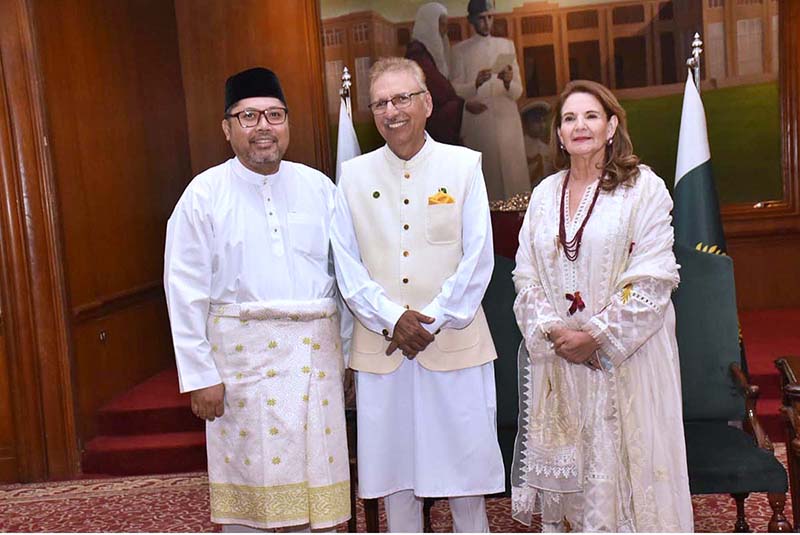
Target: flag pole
(347,141)
(694,61)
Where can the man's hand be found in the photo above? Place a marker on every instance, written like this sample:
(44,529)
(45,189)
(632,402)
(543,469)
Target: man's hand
(506,75)
(483,77)
(409,335)
(209,403)
(475,107)
(575,346)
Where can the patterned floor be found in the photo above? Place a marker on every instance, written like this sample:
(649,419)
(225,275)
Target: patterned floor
(179,503)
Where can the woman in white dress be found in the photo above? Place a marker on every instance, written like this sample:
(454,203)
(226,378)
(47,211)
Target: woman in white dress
(600,445)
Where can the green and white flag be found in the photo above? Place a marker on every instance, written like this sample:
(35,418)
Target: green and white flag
(696,215)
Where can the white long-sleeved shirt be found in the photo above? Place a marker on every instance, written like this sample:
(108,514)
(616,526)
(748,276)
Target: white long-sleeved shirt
(461,294)
(236,236)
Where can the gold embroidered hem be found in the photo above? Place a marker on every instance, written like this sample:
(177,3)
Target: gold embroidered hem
(280,506)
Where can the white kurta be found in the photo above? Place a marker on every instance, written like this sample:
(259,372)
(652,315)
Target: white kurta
(278,456)
(432,432)
(236,236)
(497,132)
(605,449)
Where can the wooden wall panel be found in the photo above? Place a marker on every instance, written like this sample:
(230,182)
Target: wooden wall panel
(766,270)
(119,353)
(119,148)
(118,137)
(218,39)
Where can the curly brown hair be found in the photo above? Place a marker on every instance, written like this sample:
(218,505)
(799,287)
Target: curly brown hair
(621,164)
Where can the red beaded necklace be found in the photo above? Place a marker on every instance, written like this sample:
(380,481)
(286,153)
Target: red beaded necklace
(572,247)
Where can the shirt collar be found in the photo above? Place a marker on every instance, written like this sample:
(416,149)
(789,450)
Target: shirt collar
(251,177)
(417,159)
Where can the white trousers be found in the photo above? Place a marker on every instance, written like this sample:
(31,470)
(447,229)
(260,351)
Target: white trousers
(404,513)
(431,432)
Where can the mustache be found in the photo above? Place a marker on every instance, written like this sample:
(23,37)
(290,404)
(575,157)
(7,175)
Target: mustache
(262,137)
(397,119)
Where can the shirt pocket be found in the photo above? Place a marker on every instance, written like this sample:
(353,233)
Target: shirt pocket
(442,223)
(308,235)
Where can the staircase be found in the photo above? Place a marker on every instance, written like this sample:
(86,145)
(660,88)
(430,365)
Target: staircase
(149,429)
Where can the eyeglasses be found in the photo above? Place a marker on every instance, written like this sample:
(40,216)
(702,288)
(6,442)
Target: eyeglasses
(249,118)
(403,100)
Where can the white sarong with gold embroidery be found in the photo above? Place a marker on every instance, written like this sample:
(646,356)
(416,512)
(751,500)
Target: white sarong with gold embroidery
(278,456)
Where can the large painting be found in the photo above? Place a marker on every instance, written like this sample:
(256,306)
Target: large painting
(638,48)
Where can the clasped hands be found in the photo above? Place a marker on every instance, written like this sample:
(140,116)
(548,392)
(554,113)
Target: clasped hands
(409,335)
(574,346)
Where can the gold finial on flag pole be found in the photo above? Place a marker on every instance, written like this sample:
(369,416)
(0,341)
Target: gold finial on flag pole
(345,90)
(694,61)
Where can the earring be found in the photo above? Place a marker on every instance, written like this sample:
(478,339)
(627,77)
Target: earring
(560,145)
(610,141)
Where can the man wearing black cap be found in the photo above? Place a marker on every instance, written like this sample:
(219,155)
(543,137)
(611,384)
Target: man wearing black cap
(486,75)
(251,298)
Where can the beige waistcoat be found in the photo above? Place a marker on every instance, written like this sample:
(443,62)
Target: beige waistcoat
(411,247)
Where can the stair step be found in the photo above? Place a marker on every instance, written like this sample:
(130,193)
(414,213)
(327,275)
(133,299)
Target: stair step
(160,453)
(136,421)
(154,406)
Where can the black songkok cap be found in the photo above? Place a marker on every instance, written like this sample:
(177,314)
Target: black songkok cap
(256,82)
(479,6)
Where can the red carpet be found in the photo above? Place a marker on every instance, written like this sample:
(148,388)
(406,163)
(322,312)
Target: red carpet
(179,503)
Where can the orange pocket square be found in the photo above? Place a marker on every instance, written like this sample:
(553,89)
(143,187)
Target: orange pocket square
(441,197)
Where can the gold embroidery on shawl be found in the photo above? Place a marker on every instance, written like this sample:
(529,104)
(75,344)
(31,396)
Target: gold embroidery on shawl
(627,290)
(283,503)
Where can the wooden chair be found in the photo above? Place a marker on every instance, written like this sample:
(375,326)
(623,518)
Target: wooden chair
(789,368)
(727,449)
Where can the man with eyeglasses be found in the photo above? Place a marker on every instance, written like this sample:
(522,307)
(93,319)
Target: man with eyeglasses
(251,297)
(412,244)
(485,74)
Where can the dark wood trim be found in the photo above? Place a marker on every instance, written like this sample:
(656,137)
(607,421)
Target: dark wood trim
(780,216)
(316,61)
(118,301)
(33,281)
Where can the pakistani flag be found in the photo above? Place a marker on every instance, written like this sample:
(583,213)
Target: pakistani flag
(696,215)
(705,301)
(347,146)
